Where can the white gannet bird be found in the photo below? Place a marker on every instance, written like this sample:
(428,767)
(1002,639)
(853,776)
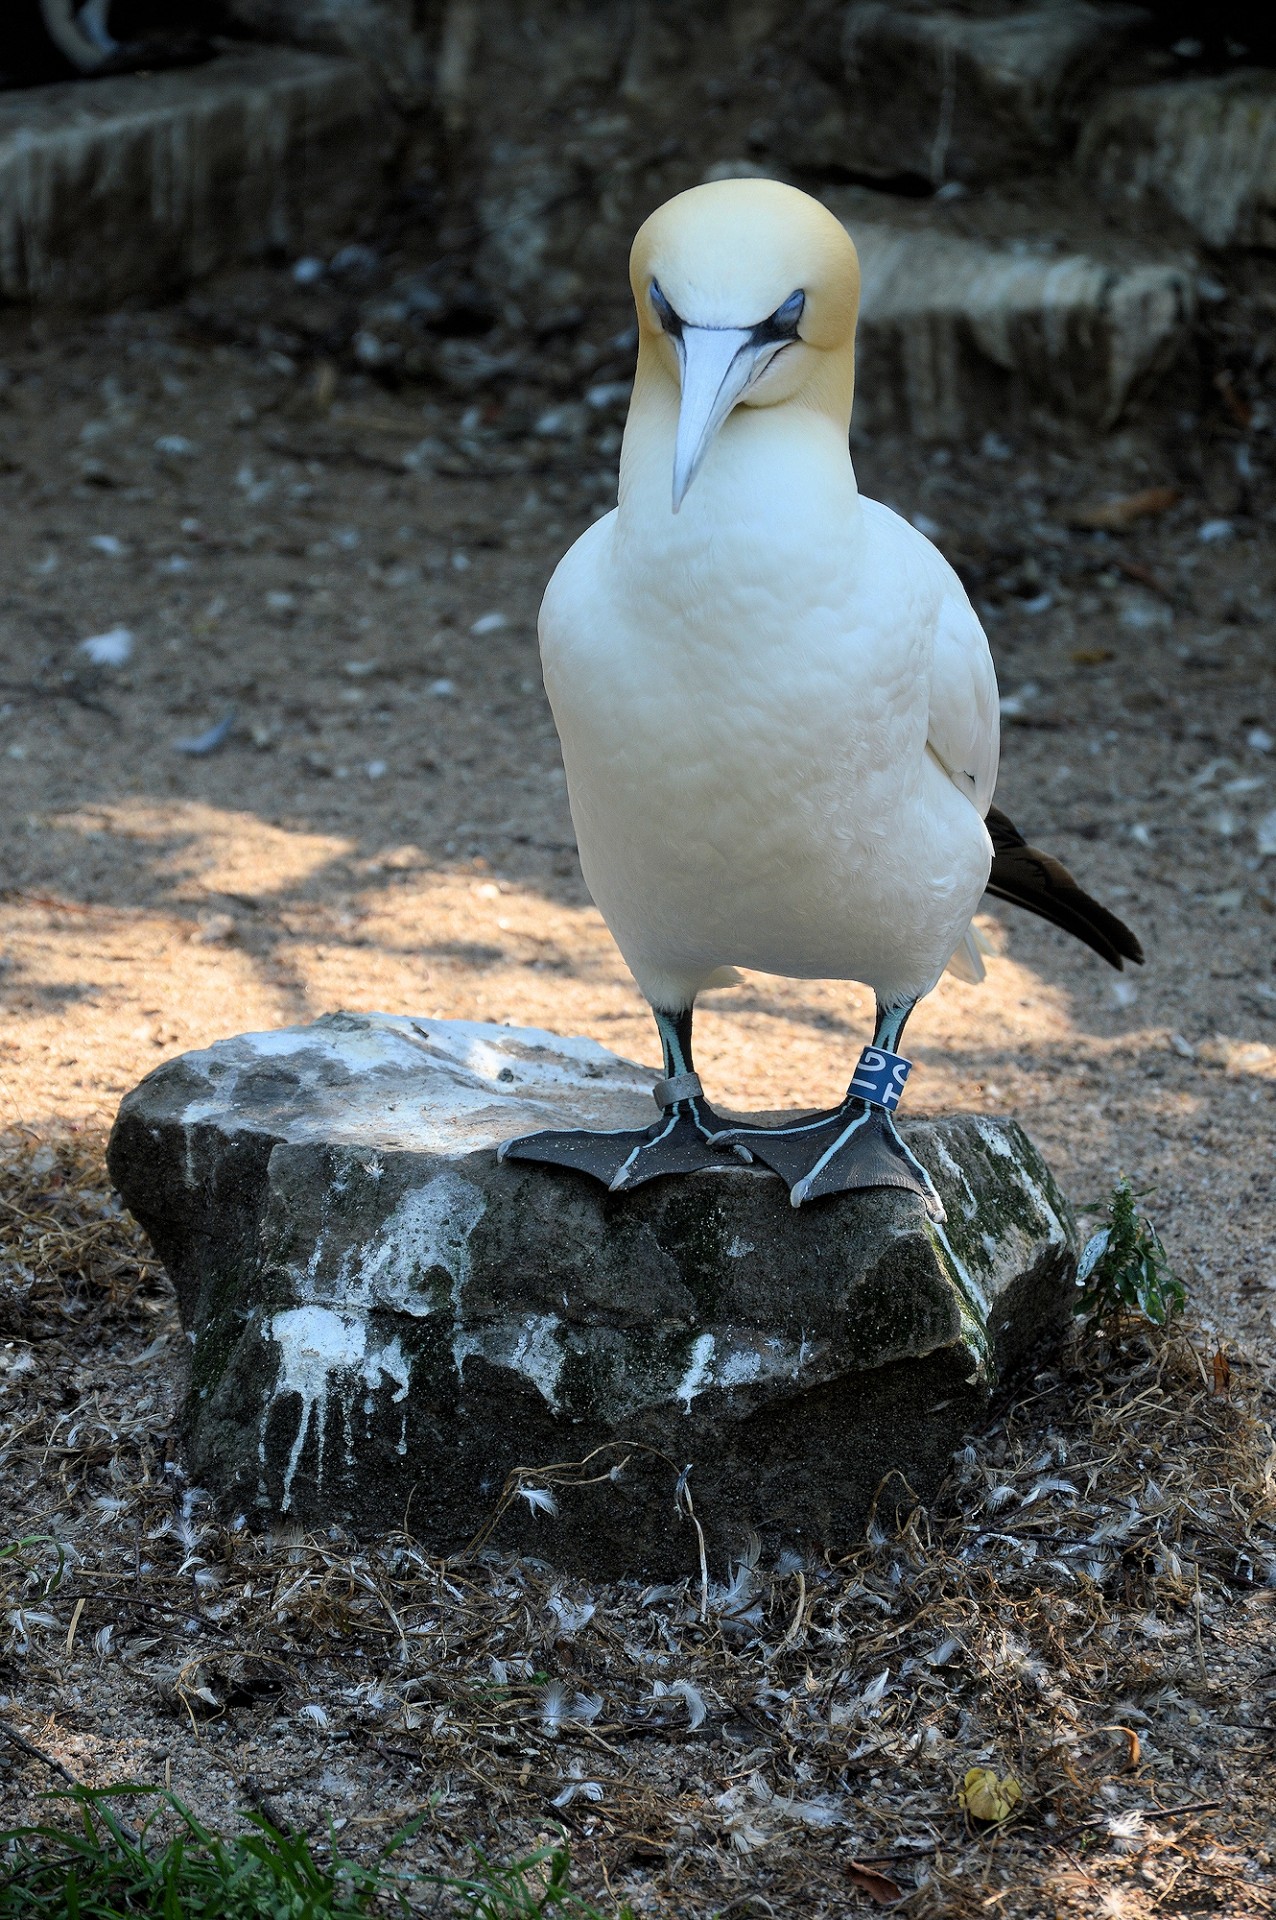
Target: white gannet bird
(777,707)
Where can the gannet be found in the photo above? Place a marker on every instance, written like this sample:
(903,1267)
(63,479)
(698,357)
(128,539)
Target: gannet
(777,707)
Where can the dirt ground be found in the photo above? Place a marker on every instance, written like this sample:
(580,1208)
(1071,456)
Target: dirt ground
(349,574)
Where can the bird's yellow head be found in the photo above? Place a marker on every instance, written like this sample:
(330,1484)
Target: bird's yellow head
(747,294)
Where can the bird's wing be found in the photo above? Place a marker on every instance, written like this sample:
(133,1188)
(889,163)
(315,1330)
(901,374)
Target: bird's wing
(963,731)
(963,721)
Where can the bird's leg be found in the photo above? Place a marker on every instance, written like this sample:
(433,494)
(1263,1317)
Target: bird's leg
(678,1142)
(856,1144)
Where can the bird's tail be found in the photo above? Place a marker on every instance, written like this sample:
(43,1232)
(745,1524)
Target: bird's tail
(968,962)
(1034,880)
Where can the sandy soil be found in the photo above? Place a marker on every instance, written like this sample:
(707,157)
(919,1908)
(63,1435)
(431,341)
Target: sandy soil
(386,824)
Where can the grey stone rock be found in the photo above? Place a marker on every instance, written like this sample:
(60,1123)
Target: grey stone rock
(139,184)
(1203,149)
(385,36)
(946,95)
(385,1322)
(960,333)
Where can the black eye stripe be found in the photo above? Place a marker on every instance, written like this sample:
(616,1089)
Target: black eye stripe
(783,323)
(668,318)
(781,326)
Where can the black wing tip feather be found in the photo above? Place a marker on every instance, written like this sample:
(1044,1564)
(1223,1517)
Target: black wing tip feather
(1080,916)
(1026,877)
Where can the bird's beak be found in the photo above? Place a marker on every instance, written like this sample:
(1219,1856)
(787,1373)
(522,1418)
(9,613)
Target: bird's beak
(718,365)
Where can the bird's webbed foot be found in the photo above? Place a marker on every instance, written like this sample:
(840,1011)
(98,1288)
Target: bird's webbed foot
(856,1145)
(679,1142)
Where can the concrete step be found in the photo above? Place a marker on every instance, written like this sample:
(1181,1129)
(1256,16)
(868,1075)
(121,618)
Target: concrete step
(116,188)
(960,335)
(941,94)
(1203,149)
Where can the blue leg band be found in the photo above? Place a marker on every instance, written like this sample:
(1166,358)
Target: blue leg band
(879,1078)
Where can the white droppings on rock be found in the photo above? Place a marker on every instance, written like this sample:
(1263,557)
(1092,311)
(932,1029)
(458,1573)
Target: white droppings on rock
(699,1371)
(955,1171)
(532,1347)
(975,1314)
(282,1041)
(537,1354)
(429,1231)
(737,1369)
(474,1083)
(324,1354)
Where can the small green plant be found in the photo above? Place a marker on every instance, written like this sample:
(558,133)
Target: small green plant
(94,1867)
(1125,1269)
(528,1888)
(13,1548)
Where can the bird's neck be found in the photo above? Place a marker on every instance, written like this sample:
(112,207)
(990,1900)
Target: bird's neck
(779,474)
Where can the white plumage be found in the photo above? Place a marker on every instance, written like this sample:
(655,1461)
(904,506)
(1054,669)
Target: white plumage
(777,709)
(778,717)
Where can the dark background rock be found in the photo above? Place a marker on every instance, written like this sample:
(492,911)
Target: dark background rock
(1201,151)
(939,94)
(138,184)
(386,1324)
(487,161)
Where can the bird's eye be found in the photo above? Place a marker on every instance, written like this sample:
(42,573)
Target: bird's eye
(668,318)
(783,323)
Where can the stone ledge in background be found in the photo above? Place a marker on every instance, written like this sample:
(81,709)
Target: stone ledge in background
(1202,149)
(134,186)
(959,334)
(938,94)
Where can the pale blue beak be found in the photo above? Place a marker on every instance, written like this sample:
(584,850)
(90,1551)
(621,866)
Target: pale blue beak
(717,365)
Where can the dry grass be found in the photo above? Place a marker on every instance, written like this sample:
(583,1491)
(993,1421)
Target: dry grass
(1086,1607)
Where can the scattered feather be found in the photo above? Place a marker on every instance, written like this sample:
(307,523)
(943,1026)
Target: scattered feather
(559,1709)
(675,1591)
(197,745)
(1126,1830)
(688,1694)
(111,649)
(1049,1485)
(570,1615)
(578,1790)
